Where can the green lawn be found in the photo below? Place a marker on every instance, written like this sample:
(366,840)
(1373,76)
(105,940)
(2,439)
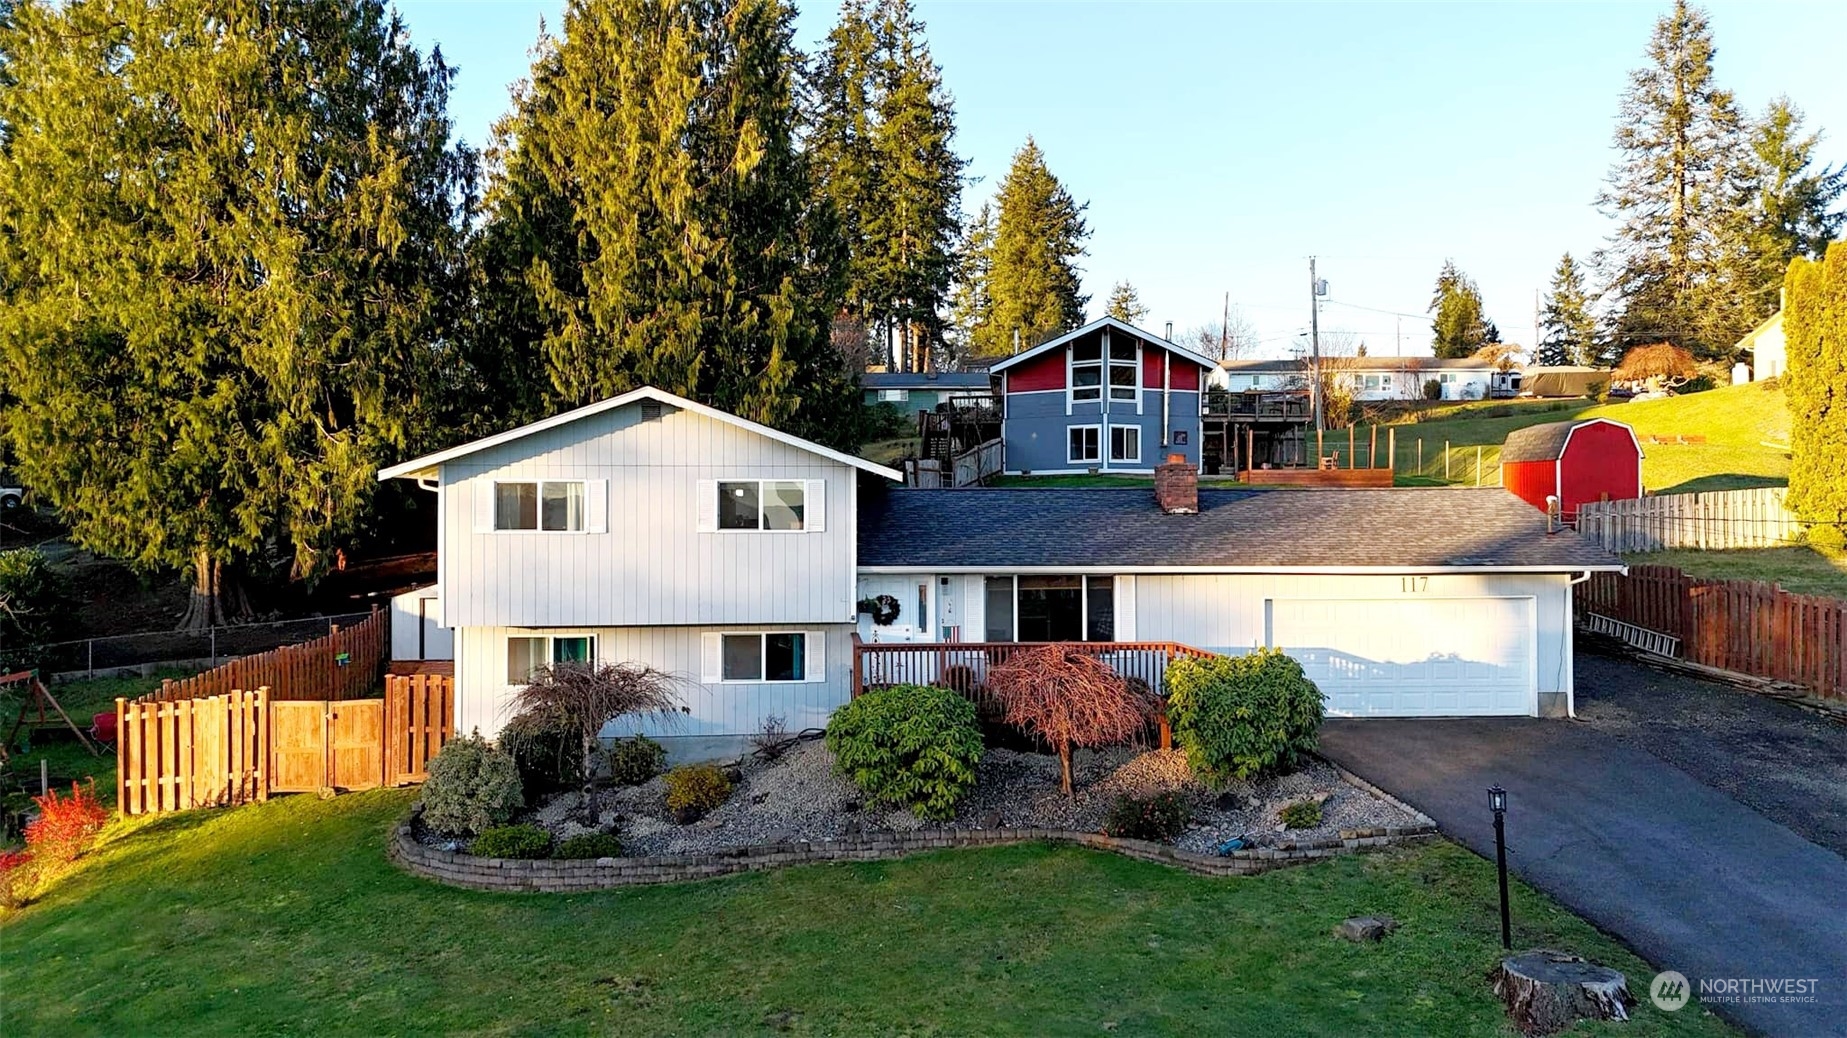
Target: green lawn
(285,917)
(1802,570)
(1737,422)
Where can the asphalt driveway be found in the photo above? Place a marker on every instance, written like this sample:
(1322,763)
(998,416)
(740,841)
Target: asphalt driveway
(1691,878)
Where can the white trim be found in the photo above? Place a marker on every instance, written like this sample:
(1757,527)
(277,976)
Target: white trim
(423,466)
(809,671)
(719,527)
(1393,571)
(1069,460)
(1101,322)
(1030,392)
(1079,472)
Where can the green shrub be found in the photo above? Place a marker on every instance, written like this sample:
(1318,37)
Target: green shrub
(589,845)
(1160,817)
(512,841)
(1433,389)
(1242,716)
(1302,814)
(548,752)
(472,787)
(634,761)
(908,746)
(694,789)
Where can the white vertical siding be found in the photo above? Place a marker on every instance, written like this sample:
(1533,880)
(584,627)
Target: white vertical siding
(483,694)
(653,566)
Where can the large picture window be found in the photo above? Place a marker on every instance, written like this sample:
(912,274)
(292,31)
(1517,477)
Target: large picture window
(1125,443)
(762,504)
(770,656)
(1055,608)
(527,653)
(552,505)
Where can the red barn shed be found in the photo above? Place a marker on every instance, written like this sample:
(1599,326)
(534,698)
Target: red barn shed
(1577,461)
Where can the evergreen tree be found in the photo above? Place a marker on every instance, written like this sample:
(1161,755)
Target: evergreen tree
(228,235)
(1459,328)
(1794,204)
(650,198)
(1033,283)
(1815,320)
(970,308)
(1568,330)
(1125,304)
(911,225)
(844,92)
(1676,260)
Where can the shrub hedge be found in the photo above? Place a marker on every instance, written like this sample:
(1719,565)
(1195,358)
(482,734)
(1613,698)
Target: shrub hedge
(908,746)
(472,787)
(634,761)
(1238,717)
(589,845)
(1160,817)
(512,841)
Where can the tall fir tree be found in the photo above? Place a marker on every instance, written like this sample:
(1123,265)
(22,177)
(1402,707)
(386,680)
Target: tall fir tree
(970,307)
(1125,304)
(651,206)
(1033,288)
(1794,209)
(1567,328)
(1676,259)
(1459,327)
(1815,321)
(882,142)
(228,243)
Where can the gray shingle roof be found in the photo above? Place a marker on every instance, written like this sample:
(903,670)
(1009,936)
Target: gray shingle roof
(1258,529)
(924,380)
(1537,442)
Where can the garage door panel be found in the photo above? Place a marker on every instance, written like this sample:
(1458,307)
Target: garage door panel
(1413,657)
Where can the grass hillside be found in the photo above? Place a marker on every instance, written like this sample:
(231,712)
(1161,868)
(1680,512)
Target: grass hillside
(1736,421)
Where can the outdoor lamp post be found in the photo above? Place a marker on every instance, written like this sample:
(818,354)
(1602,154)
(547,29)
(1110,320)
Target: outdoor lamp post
(1497,802)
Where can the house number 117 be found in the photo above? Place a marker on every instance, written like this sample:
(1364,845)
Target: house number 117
(1413,584)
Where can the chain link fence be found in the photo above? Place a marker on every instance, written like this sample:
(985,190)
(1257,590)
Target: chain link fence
(203,649)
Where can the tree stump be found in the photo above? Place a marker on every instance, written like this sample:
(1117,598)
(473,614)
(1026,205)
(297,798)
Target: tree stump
(1547,991)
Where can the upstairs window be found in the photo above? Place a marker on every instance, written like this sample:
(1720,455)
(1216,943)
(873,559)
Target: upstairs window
(1122,370)
(762,504)
(1087,371)
(552,505)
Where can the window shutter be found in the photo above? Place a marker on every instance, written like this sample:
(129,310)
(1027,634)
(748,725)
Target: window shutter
(596,506)
(814,656)
(711,649)
(484,506)
(814,506)
(706,508)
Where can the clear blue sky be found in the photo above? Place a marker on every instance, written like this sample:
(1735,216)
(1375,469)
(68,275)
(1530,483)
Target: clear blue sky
(1220,145)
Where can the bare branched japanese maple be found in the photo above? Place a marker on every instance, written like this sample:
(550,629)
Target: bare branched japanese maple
(583,697)
(1069,699)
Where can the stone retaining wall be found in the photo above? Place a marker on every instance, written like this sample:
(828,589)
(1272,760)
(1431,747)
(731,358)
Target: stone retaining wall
(465,870)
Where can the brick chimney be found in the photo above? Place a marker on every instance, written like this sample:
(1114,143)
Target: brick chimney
(1176,486)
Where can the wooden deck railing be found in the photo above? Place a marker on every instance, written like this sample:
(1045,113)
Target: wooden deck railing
(344,663)
(964,666)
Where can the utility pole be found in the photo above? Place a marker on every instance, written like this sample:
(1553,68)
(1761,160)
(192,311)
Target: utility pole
(1314,344)
(1225,329)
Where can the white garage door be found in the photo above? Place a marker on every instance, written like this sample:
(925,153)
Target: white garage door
(1412,657)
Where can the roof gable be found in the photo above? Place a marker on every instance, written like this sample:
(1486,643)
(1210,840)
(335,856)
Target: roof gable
(1547,442)
(1103,322)
(426,466)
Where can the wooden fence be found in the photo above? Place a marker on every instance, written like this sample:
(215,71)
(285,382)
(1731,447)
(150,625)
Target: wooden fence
(1739,625)
(342,664)
(1717,519)
(976,465)
(239,747)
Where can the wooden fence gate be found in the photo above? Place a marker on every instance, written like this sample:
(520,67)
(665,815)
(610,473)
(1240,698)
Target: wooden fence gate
(242,746)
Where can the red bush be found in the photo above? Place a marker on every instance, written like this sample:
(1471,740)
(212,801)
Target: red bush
(66,825)
(1069,699)
(14,881)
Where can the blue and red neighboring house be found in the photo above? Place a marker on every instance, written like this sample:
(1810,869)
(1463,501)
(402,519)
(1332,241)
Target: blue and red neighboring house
(1107,397)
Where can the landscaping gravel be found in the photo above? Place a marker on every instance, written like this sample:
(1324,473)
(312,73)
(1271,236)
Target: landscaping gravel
(798,797)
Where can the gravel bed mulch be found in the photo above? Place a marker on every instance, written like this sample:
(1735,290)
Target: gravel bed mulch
(798,797)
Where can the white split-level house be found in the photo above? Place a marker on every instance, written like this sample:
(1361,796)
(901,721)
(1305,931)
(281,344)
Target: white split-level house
(654,529)
(1376,378)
